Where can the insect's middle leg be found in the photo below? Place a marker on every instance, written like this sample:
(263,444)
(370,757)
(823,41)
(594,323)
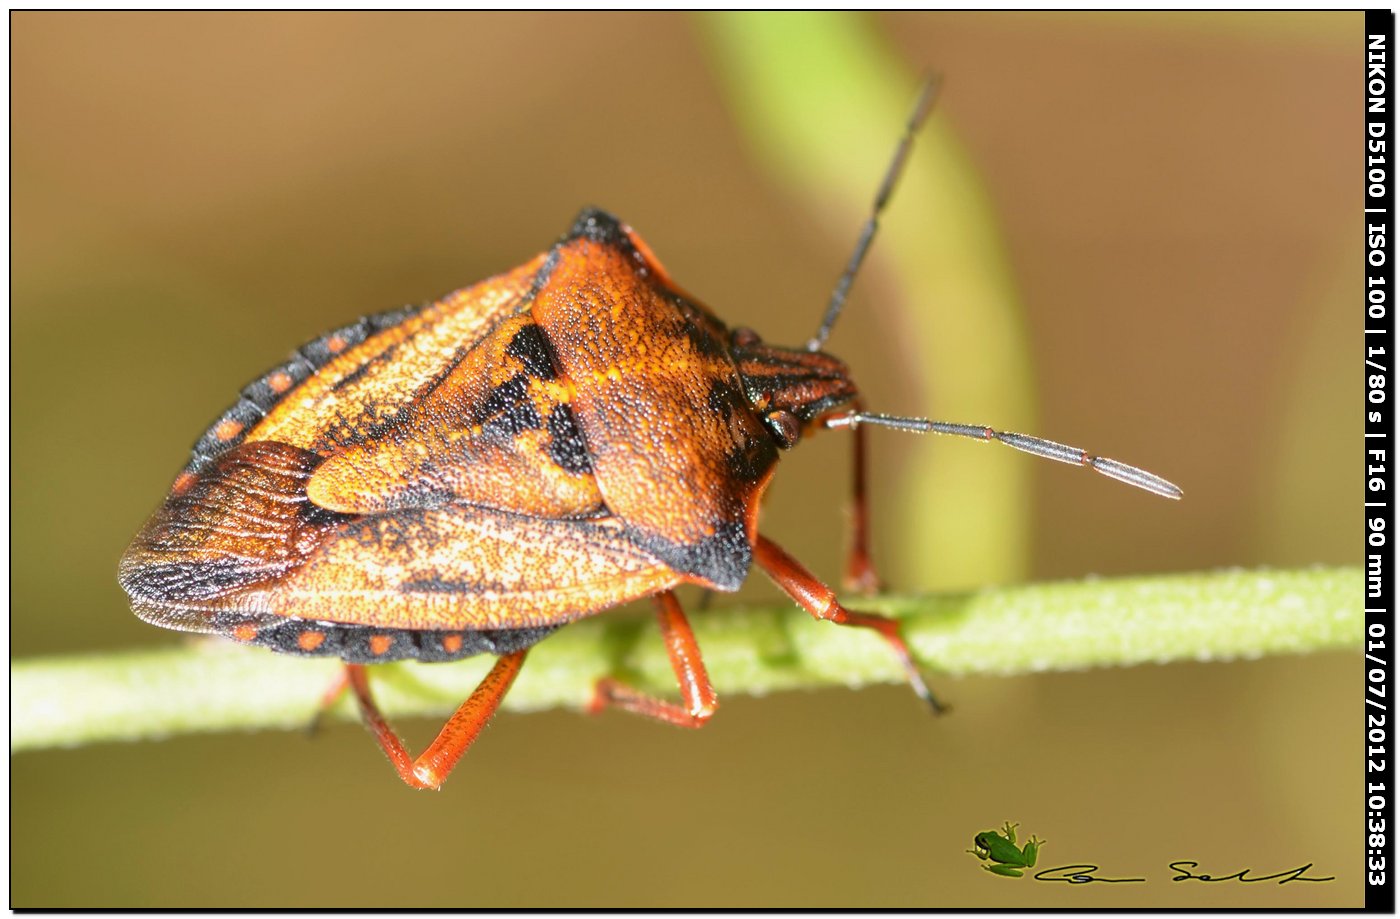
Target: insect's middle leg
(819,600)
(431,769)
(696,691)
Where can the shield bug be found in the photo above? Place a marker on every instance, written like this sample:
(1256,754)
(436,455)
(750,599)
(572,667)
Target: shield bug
(467,476)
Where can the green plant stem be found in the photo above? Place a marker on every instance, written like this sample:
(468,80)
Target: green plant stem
(217,686)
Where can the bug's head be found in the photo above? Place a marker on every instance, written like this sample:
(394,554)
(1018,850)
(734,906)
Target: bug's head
(790,389)
(794,391)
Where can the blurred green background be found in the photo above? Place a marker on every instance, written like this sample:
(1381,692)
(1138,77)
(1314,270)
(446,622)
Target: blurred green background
(195,195)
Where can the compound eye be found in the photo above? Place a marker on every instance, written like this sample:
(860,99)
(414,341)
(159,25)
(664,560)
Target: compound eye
(744,338)
(784,426)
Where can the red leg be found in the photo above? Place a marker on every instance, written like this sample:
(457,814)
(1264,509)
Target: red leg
(819,600)
(430,770)
(696,691)
(860,571)
(329,698)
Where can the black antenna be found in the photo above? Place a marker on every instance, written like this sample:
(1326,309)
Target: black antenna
(872,223)
(1038,446)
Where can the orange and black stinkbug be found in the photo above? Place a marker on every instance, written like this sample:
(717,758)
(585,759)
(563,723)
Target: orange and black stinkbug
(467,476)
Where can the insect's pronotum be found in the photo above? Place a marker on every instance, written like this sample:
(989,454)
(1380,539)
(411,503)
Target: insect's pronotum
(467,476)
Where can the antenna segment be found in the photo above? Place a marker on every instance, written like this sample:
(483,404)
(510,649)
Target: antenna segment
(867,232)
(1037,446)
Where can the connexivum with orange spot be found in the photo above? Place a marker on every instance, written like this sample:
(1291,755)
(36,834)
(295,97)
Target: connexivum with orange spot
(467,476)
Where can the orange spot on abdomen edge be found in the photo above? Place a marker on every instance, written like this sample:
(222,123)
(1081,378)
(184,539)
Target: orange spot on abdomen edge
(228,429)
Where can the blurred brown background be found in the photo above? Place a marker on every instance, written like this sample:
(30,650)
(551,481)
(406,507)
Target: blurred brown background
(194,195)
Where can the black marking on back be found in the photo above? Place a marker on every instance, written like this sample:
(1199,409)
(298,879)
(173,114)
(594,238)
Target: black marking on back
(535,352)
(178,558)
(541,278)
(751,460)
(358,373)
(566,444)
(723,559)
(702,340)
(598,226)
(724,398)
(367,421)
(177,582)
(439,585)
(259,397)
(507,409)
(342,432)
(351,643)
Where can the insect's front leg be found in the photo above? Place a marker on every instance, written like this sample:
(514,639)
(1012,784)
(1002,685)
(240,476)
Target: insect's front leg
(860,575)
(820,600)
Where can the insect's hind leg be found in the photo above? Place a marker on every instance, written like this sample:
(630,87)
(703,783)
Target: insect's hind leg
(431,769)
(819,600)
(696,691)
